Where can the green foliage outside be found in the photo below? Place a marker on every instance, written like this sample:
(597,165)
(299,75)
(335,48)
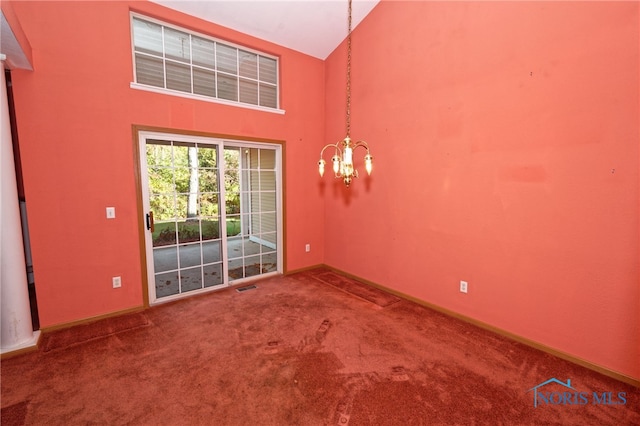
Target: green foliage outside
(172,178)
(191,231)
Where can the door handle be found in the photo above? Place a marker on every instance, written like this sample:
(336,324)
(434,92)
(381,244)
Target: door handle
(150,224)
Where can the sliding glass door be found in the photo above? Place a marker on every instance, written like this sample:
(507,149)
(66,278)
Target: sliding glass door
(212,214)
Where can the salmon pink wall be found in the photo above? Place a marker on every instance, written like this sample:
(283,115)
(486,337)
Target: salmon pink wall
(505,137)
(75,114)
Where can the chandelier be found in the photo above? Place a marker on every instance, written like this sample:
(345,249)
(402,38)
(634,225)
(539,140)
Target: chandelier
(343,150)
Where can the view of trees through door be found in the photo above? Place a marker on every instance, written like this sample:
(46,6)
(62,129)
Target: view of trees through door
(214,210)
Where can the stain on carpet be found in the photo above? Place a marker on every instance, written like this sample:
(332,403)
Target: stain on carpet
(316,379)
(322,330)
(356,288)
(14,415)
(273,347)
(87,332)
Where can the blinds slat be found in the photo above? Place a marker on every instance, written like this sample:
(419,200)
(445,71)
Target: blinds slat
(149,71)
(248,92)
(178,77)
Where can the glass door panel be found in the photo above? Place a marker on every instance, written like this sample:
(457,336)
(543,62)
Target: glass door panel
(184,199)
(253,249)
(213,214)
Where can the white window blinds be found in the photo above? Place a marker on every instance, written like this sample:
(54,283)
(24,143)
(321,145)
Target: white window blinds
(178,60)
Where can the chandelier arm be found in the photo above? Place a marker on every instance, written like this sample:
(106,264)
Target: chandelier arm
(361,143)
(335,145)
(338,153)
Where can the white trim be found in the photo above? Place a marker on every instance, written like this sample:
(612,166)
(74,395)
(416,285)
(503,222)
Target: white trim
(32,342)
(179,296)
(163,91)
(222,212)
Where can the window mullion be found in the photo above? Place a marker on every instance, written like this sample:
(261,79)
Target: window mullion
(164,59)
(191,63)
(238,73)
(171,75)
(215,66)
(258,76)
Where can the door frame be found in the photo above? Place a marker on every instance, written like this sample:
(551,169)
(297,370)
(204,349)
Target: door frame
(140,133)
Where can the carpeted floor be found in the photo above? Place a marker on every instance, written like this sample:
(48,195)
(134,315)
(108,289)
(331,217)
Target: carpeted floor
(311,348)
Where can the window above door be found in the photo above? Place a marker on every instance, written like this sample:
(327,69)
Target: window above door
(177,61)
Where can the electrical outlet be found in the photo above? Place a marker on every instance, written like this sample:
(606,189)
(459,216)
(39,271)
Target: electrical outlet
(117,282)
(463,286)
(307,248)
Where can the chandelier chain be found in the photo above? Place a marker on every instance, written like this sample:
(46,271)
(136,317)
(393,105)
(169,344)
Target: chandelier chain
(342,159)
(349,74)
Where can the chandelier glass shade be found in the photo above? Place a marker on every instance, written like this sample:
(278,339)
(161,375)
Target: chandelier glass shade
(342,159)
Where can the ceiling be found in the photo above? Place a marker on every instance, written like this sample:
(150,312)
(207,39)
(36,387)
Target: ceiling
(314,27)
(11,48)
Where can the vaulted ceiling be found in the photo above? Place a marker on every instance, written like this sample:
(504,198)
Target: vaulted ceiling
(314,27)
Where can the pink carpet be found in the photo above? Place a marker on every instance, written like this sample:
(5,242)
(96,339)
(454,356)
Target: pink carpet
(299,351)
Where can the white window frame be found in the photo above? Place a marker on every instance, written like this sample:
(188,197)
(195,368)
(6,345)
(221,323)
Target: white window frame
(162,90)
(221,144)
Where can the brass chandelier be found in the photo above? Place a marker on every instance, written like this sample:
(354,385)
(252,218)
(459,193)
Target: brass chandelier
(343,150)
